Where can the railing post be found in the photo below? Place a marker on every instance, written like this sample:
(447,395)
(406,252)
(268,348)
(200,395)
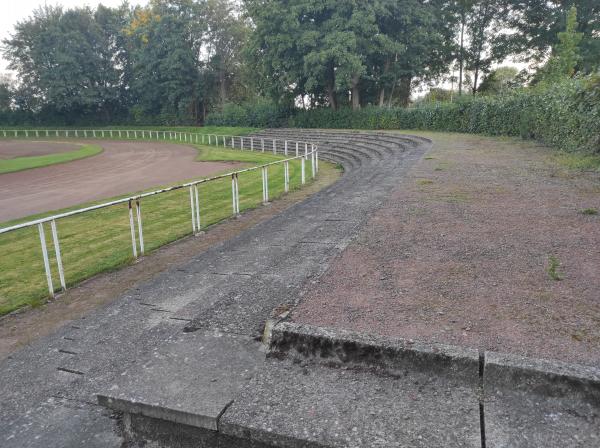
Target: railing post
(138,207)
(317,159)
(303,169)
(297,153)
(132,227)
(265,180)
(193,209)
(242,143)
(312,164)
(286,176)
(232,142)
(285,151)
(198,222)
(274,146)
(46,262)
(262,144)
(235,194)
(61,272)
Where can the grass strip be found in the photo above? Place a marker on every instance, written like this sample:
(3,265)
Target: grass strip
(25,163)
(100,241)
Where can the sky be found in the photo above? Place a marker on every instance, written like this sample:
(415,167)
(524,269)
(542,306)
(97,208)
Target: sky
(13,11)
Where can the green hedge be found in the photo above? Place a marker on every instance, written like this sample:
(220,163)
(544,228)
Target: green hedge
(261,114)
(565,115)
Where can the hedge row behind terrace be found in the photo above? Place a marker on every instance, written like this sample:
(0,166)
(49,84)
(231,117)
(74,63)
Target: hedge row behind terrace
(565,115)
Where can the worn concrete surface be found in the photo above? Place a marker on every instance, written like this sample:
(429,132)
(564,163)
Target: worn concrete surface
(191,381)
(231,288)
(530,404)
(300,405)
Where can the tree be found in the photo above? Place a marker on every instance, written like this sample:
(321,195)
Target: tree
(485,20)
(565,55)
(227,33)
(417,45)
(367,51)
(165,45)
(64,63)
(534,26)
(499,80)
(6,93)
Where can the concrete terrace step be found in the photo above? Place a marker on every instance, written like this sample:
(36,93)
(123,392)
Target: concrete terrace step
(334,388)
(298,400)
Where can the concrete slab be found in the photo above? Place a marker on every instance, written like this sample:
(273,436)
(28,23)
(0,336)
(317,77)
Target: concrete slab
(295,405)
(532,403)
(190,382)
(58,423)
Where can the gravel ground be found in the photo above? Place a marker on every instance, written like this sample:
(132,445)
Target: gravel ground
(461,254)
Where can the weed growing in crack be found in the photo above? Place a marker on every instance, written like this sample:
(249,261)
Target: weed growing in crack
(589,211)
(553,265)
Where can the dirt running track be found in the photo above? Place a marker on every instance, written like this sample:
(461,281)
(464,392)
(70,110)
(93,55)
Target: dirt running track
(122,168)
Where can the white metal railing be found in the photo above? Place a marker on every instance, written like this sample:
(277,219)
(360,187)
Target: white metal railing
(303,150)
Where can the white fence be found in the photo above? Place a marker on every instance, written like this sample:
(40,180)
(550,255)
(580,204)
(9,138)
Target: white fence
(300,151)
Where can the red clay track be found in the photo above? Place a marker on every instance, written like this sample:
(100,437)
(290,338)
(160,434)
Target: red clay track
(122,168)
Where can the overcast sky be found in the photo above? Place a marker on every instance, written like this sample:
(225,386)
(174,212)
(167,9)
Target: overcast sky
(13,11)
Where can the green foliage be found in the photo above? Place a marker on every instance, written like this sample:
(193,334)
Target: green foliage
(499,81)
(566,55)
(437,94)
(338,52)
(260,114)
(537,25)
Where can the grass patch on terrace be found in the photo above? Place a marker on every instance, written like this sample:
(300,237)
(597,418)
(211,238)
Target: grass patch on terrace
(100,240)
(25,163)
(577,160)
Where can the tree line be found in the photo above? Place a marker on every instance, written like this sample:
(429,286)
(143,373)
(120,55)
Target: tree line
(175,61)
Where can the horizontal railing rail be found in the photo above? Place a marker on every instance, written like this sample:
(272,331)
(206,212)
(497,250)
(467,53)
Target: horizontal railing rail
(301,151)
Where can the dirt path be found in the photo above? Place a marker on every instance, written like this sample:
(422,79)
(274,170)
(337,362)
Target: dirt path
(11,149)
(460,254)
(122,168)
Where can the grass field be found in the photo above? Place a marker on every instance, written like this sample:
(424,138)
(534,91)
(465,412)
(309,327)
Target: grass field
(100,241)
(25,163)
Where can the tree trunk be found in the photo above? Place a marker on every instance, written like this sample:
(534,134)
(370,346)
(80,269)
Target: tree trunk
(475,79)
(405,90)
(386,69)
(461,59)
(331,93)
(355,93)
(222,86)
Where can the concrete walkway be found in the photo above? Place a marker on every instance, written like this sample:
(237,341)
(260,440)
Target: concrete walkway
(201,319)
